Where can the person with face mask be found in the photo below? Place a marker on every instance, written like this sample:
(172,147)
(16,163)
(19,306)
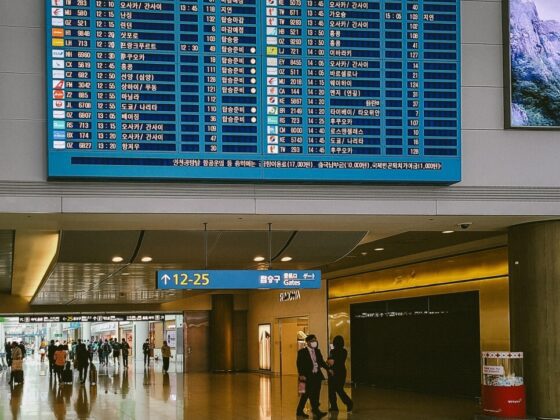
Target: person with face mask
(309,364)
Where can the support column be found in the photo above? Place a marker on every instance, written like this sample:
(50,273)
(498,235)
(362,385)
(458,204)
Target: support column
(140,334)
(86,331)
(534,265)
(221,333)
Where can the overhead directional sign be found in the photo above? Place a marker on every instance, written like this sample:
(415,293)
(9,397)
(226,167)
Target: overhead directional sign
(73,318)
(238,279)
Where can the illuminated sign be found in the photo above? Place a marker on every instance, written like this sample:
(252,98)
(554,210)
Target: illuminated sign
(533,87)
(238,279)
(74,319)
(290,90)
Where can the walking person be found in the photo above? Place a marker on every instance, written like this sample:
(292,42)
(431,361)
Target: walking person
(100,352)
(337,378)
(125,348)
(146,351)
(106,352)
(59,361)
(8,348)
(17,364)
(50,356)
(309,364)
(115,345)
(165,355)
(82,360)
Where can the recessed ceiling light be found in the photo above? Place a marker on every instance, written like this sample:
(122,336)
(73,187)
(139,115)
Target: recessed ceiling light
(286,259)
(100,274)
(445,232)
(258,259)
(379,249)
(118,259)
(125,274)
(363,253)
(147,259)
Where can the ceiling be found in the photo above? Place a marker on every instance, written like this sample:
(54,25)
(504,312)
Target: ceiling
(6,260)
(85,274)
(405,244)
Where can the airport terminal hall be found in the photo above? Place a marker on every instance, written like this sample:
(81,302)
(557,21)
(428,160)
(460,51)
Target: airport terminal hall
(280,209)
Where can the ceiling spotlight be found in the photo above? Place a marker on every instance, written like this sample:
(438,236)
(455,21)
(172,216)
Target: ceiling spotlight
(363,254)
(146,259)
(118,259)
(286,259)
(258,259)
(379,249)
(445,232)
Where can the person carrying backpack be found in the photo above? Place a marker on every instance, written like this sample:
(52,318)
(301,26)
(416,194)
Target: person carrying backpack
(116,351)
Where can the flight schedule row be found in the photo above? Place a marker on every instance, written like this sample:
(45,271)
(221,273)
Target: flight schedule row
(247,80)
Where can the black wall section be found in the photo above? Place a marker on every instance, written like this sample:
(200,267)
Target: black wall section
(429,344)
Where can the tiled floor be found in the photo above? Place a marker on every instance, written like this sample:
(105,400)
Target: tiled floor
(148,394)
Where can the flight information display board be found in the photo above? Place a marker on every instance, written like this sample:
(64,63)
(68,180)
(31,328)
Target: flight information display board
(257,90)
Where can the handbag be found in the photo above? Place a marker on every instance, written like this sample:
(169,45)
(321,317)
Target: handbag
(301,387)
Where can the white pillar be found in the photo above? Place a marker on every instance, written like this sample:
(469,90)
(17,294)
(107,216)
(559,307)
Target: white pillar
(86,331)
(2,336)
(140,331)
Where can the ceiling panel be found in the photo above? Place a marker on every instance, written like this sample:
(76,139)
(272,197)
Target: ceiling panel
(85,274)
(6,260)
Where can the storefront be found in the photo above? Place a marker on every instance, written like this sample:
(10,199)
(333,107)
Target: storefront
(423,326)
(105,331)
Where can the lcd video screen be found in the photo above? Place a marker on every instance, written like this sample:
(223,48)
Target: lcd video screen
(534,58)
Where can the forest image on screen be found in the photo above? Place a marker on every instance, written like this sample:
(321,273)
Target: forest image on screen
(535,63)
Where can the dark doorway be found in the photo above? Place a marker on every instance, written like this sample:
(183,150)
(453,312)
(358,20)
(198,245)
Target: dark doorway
(427,344)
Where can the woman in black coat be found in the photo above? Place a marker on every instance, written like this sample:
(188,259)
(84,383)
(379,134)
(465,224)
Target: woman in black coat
(337,376)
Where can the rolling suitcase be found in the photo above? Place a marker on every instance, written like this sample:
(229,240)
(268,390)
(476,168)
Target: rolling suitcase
(67,374)
(17,377)
(92,375)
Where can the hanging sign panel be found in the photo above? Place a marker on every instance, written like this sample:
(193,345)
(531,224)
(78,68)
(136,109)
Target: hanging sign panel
(238,279)
(275,90)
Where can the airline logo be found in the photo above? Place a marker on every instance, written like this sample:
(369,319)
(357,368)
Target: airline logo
(59,145)
(271,11)
(271,90)
(272,129)
(272,120)
(57,32)
(271,40)
(58,3)
(272,110)
(58,104)
(58,114)
(57,21)
(58,94)
(272,2)
(58,42)
(272,31)
(57,53)
(271,50)
(271,100)
(272,21)
(272,71)
(59,125)
(59,135)
(271,61)
(58,74)
(272,150)
(272,139)
(272,81)
(58,84)
(57,11)
(58,64)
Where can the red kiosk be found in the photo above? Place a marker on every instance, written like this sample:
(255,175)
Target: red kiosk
(503,390)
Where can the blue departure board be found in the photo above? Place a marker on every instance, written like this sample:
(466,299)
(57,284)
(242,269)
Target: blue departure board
(256,90)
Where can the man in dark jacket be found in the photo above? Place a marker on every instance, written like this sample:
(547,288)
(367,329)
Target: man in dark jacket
(309,364)
(8,349)
(82,360)
(50,355)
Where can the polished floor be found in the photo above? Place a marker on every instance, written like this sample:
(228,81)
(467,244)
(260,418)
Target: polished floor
(148,394)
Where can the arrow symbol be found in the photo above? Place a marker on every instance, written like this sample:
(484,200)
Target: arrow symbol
(165,278)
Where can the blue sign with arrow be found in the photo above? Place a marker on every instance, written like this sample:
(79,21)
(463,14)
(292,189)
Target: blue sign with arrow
(238,279)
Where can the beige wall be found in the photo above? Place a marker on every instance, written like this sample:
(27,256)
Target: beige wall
(265,308)
(485,272)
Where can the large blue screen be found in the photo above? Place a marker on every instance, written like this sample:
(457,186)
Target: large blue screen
(256,90)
